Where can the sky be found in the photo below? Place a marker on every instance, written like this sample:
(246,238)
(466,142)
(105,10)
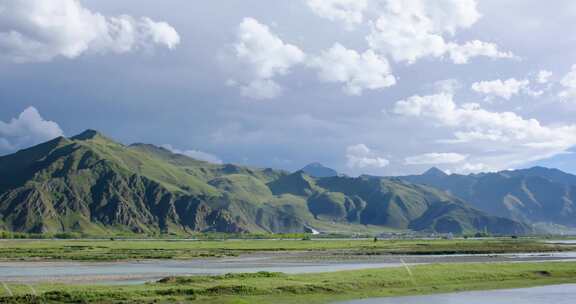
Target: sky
(383,87)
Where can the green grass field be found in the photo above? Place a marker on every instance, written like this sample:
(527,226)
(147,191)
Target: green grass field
(306,288)
(106,250)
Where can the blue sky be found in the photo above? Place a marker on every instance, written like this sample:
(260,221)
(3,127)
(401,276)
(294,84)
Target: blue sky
(382,87)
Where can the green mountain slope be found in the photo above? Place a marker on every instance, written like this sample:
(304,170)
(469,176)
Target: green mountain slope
(396,203)
(90,183)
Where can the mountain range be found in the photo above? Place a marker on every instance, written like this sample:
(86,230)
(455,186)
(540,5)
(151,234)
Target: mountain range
(534,195)
(91,184)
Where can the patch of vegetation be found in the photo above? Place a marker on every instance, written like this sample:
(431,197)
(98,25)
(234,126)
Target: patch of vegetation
(228,276)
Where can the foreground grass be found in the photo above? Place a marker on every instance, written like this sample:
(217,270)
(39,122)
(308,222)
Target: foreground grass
(105,250)
(307,288)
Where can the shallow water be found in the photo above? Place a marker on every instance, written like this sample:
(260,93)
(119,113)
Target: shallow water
(564,242)
(141,272)
(554,294)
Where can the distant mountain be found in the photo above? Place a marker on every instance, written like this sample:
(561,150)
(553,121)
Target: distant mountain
(435,173)
(533,195)
(553,175)
(566,161)
(319,170)
(92,184)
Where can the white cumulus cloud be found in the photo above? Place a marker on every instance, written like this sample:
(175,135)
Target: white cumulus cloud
(360,156)
(266,55)
(435,159)
(366,71)
(543,76)
(28,129)
(462,53)
(34,31)
(568,83)
(504,89)
(195,154)
(408,30)
(350,12)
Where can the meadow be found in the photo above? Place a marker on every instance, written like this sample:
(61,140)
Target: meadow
(122,250)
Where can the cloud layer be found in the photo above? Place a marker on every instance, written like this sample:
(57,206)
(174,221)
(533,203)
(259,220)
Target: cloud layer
(499,140)
(331,65)
(361,157)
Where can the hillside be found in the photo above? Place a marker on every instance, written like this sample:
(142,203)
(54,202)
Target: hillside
(90,183)
(538,195)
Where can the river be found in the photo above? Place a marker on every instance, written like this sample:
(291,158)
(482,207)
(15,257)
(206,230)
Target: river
(143,271)
(553,294)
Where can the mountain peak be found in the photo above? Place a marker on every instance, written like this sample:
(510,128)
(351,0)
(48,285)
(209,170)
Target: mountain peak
(87,135)
(435,172)
(318,170)
(92,135)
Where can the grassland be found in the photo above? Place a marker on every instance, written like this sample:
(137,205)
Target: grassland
(306,288)
(122,250)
